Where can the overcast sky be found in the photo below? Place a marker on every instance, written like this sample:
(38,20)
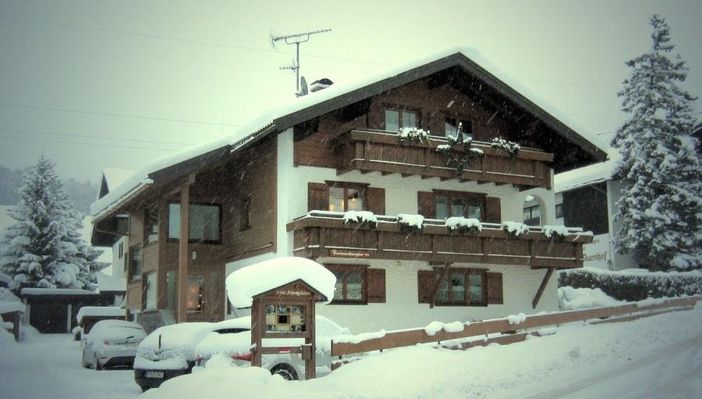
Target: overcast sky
(95,84)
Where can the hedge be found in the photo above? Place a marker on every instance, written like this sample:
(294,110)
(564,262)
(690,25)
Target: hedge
(634,286)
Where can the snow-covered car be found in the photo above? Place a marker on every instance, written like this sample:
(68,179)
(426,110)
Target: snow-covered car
(232,339)
(111,343)
(168,352)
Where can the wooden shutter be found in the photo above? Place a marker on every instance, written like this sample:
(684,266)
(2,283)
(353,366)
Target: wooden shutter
(317,197)
(493,212)
(376,200)
(425,202)
(426,279)
(376,286)
(494,288)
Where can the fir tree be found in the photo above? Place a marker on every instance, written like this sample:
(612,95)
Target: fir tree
(44,247)
(661,205)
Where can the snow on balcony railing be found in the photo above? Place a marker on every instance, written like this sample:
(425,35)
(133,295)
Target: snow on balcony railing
(547,230)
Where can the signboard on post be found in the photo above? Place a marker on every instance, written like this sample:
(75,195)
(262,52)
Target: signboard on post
(287,311)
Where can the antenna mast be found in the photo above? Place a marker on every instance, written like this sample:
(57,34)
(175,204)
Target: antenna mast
(296,39)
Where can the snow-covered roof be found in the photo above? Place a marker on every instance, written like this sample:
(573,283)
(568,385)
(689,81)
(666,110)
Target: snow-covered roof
(55,291)
(581,177)
(6,279)
(115,176)
(267,121)
(107,282)
(249,281)
(9,302)
(107,311)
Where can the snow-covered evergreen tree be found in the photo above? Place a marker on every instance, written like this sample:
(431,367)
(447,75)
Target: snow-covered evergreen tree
(44,247)
(661,205)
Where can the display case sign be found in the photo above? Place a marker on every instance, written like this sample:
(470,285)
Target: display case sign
(287,311)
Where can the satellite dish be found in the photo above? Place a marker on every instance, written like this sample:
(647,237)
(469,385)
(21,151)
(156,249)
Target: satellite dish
(303,87)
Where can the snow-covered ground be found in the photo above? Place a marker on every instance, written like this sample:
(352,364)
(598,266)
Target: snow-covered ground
(48,367)
(656,357)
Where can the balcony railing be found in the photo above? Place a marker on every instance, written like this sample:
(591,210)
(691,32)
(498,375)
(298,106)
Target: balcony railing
(381,151)
(325,234)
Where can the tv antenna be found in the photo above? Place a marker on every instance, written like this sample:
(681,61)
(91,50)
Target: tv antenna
(296,39)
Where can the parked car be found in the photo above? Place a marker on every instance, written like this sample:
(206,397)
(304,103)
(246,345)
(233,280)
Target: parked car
(168,352)
(111,343)
(232,338)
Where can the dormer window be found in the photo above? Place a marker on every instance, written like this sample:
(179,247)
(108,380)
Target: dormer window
(399,118)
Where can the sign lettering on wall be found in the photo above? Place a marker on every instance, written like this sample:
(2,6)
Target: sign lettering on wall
(597,254)
(349,254)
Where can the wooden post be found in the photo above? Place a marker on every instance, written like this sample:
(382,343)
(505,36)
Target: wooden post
(542,287)
(183,256)
(444,272)
(310,321)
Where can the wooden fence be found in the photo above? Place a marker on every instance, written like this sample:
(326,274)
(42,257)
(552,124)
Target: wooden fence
(484,328)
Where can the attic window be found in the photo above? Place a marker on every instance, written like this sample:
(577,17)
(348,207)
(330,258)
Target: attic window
(398,118)
(451,126)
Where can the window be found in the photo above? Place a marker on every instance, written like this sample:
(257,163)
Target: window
(245,213)
(150,291)
(204,223)
(171,290)
(398,118)
(135,262)
(194,300)
(532,215)
(461,287)
(350,283)
(559,211)
(346,197)
(151,224)
(120,250)
(468,205)
(451,127)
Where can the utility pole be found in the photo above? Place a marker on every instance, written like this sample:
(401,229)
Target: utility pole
(296,39)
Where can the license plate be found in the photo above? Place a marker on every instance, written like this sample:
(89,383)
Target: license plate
(154,374)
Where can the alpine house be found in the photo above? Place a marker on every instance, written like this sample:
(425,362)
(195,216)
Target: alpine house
(408,186)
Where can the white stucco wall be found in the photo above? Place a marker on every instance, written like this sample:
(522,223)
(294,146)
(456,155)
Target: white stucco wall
(402,309)
(619,261)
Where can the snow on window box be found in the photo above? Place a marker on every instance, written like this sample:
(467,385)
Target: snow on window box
(510,147)
(515,229)
(364,218)
(412,135)
(249,281)
(410,222)
(464,225)
(558,231)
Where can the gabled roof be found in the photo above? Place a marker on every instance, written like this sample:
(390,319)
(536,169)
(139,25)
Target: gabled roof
(112,178)
(337,96)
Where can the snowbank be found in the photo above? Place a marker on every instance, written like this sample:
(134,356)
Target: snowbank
(570,298)
(249,281)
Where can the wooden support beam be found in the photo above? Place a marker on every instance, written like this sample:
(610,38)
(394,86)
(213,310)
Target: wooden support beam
(542,287)
(444,272)
(183,248)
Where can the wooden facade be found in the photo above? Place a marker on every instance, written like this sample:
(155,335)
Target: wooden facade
(250,177)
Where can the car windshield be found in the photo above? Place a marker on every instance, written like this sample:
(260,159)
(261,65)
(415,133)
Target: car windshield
(231,330)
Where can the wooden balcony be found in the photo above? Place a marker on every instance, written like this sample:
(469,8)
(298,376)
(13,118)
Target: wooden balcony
(381,151)
(325,234)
